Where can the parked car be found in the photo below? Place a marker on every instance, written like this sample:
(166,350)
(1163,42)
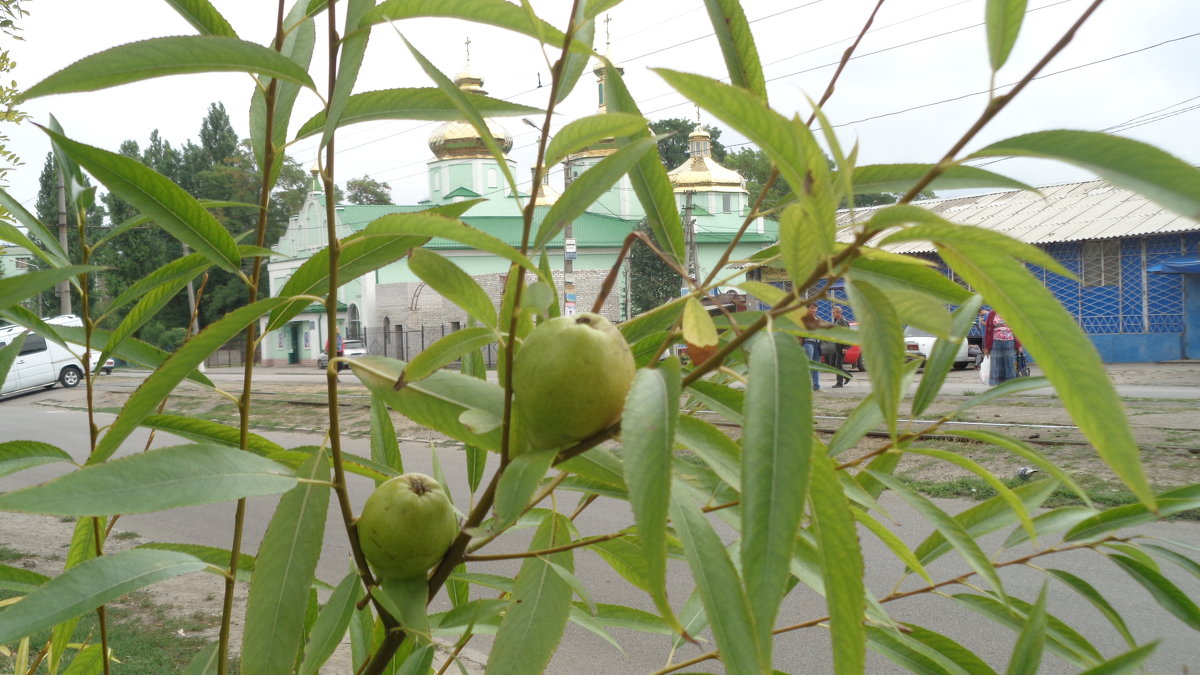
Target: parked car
(853,357)
(42,363)
(350,349)
(919,344)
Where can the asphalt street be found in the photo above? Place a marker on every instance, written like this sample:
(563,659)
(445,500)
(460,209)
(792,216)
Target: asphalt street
(805,651)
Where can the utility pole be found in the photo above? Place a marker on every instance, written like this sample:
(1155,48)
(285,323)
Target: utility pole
(568,250)
(64,287)
(689,234)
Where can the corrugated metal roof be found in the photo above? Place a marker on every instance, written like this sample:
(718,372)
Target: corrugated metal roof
(1069,212)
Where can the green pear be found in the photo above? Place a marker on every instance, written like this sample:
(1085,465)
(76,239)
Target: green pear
(570,380)
(406,526)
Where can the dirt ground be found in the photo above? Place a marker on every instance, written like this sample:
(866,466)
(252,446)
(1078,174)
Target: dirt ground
(1167,431)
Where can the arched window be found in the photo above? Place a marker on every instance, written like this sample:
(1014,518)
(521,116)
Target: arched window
(492,178)
(353,325)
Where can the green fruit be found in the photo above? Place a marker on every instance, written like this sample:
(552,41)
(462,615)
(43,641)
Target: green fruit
(570,380)
(406,526)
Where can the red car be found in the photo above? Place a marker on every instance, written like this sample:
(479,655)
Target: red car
(853,357)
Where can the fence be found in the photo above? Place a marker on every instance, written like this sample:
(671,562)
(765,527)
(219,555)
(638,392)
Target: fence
(404,342)
(231,354)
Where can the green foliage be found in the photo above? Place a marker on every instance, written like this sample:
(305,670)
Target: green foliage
(790,505)
(673,150)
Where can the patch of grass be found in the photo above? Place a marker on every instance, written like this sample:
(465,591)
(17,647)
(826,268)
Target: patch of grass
(1103,495)
(142,635)
(126,535)
(9,553)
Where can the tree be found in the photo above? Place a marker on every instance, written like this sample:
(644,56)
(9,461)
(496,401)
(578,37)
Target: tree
(10,13)
(651,280)
(367,190)
(673,150)
(755,167)
(718,463)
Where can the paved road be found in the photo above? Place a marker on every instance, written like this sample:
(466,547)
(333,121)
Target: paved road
(585,653)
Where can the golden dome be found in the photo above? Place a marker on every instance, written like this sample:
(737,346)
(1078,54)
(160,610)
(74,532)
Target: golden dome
(701,171)
(458,139)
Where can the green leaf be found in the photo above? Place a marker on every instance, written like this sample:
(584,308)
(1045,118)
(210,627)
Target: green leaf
(1098,601)
(882,337)
(953,531)
(454,284)
(15,237)
(904,651)
(1152,173)
(864,419)
(88,661)
(446,351)
(284,571)
(722,399)
(1165,593)
(204,431)
(587,188)
(172,209)
(160,57)
(1129,662)
(900,276)
(1063,640)
(627,558)
(456,95)
(356,34)
(162,381)
(21,287)
(205,661)
(203,16)
(587,131)
(89,585)
(1002,491)
(517,485)
(945,350)
(217,558)
(579,51)
(1065,354)
(53,253)
(777,440)
(902,552)
(433,225)
(298,44)
(710,444)
(20,580)
(989,516)
(654,321)
(20,455)
(748,114)
(842,567)
(1181,560)
(1027,652)
(720,589)
(1051,522)
(1169,503)
(183,475)
(931,227)
(385,447)
(416,103)
(737,46)
(534,624)
(131,350)
(648,430)
(436,402)
(649,176)
(1027,453)
(489,12)
(954,652)
(1003,25)
(619,616)
(1002,390)
(152,293)
(900,178)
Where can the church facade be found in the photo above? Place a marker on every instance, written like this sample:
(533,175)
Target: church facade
(396,314)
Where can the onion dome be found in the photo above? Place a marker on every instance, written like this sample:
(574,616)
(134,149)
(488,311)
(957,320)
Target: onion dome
(701,171)
(458,139)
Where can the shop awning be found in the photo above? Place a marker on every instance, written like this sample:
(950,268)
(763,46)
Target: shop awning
(1188,264)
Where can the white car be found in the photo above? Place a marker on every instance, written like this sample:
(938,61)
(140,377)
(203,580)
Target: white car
(919,344)
(350,349)
(42,363)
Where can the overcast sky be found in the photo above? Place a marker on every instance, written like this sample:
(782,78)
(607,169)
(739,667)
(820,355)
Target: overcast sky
(1132,68)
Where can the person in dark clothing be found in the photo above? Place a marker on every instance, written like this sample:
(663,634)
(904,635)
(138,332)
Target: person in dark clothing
(836,351)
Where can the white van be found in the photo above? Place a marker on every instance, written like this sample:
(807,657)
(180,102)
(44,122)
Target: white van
(41,363)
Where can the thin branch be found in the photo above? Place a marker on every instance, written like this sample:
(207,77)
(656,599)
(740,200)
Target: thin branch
(533,554)
(845,59)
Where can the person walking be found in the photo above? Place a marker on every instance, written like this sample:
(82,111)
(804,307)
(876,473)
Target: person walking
(812,347)
(835,352)
(1002,346)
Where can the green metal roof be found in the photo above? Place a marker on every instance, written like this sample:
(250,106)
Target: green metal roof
(318,308)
